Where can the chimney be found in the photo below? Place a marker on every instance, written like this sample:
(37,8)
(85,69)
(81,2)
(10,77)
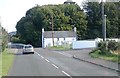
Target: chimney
(75,30)
(42,30)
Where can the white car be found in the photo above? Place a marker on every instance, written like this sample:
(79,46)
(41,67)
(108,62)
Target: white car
(28,49)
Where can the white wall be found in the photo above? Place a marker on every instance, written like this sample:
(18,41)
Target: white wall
(84,44)
(108,39)
(89,43)
(48,41)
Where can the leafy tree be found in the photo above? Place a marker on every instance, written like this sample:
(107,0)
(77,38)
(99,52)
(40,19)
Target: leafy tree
(112,12)
(64,17)
(4,38)
(94,17)
(94,24)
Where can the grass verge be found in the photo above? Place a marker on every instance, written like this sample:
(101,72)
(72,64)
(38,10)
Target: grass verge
(7,61)
(59,48)
(0,65)
(109,57)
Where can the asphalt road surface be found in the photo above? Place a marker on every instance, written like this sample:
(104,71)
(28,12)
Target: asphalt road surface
(53,63)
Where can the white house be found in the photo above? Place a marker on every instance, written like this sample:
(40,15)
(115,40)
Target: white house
(58,37)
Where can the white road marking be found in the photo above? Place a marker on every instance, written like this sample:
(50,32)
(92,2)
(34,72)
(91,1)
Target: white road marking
(55,66)
(42,57)
(39,55)
(47,60)
(66,74)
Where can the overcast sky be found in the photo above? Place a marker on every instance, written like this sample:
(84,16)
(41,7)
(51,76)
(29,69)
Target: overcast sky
(12,10)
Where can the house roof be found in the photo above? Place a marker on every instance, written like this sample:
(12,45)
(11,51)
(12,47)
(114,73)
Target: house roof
(59,34)
(69,1)
(12,33)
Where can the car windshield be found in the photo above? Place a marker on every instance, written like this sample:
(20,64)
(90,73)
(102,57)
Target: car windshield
(28,46)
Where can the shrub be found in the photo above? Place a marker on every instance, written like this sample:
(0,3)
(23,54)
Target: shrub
(107,47)
(102,47)
(118,47)
(17,40)
(4,42)
(113,45)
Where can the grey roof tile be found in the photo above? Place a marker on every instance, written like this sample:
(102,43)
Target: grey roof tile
(59,34)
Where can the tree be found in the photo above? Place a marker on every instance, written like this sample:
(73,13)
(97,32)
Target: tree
(29,28)
(112,12)
(94,24)
(4,38)
(93,11)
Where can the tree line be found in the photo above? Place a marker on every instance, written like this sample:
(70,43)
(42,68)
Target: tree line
(88,21)
(3,38)
(94,18)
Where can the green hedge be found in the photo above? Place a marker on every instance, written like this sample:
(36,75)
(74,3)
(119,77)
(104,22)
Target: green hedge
(106,51)
(108,46)
(113,45)
(4,42)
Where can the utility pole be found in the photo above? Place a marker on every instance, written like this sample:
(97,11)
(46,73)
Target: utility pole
(103,22)
(52,30)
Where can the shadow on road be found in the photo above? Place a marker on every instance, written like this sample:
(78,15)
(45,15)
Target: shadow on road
(22,54)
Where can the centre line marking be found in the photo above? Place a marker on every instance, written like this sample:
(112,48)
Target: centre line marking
(42,57)
(55,66)
(39,55)
(66,74)
(47,60)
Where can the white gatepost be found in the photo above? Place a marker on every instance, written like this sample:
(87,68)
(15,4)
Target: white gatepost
(42,37)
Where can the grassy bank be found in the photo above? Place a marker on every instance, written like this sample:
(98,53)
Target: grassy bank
(7,60)
(110,57)
(0,65)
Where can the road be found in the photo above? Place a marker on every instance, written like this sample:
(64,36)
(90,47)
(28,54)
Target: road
(53,63)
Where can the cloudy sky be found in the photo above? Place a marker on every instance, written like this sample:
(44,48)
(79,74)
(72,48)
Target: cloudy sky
(12,10)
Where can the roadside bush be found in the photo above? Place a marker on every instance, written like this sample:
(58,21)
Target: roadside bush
(17,40)
(4,43)
(118,47)
(113,45)
(102,47)
(107,50)
(3,46)
(106,47)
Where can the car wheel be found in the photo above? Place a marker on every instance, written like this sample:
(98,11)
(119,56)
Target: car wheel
(32,52)
(23,52)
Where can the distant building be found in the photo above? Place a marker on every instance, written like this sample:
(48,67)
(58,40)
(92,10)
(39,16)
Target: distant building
(69,2)
(60,37)
(12,33)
